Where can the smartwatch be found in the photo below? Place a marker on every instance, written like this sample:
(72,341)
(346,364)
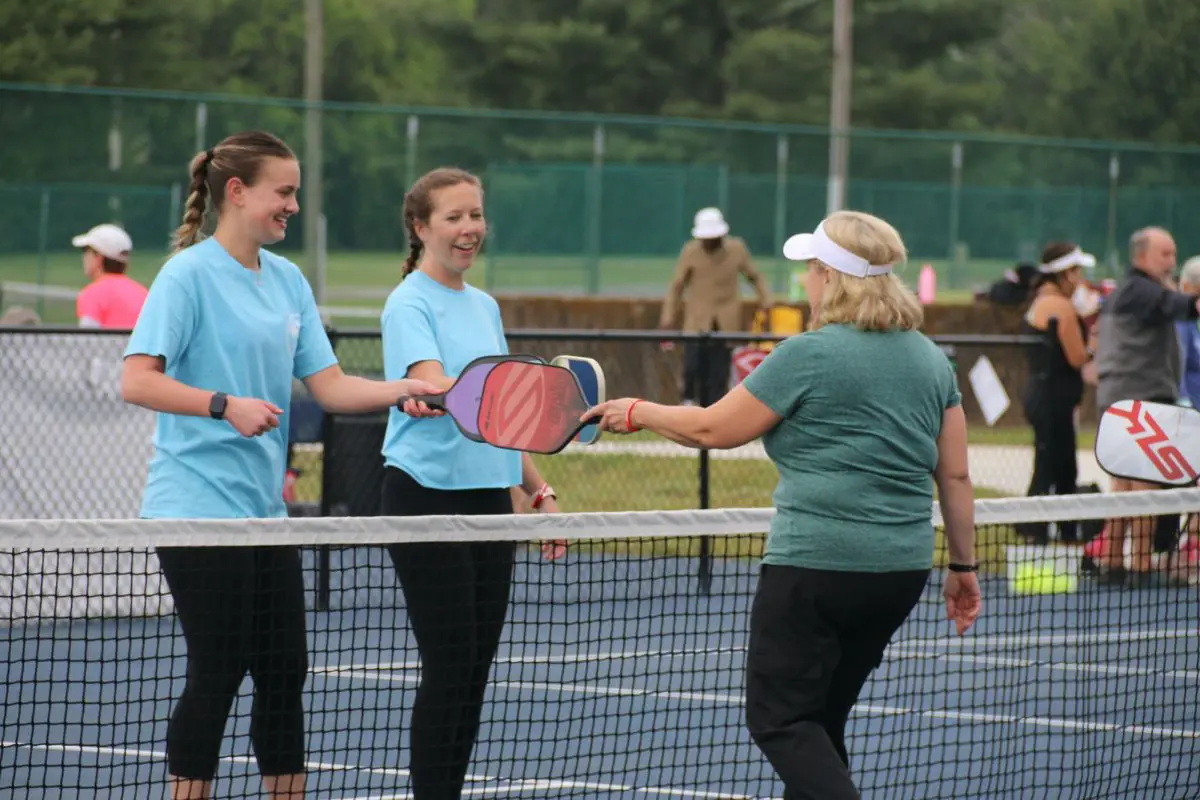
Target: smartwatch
(216,406)
(962,567)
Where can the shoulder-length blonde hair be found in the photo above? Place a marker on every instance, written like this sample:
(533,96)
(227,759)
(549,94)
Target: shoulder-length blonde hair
(875,303)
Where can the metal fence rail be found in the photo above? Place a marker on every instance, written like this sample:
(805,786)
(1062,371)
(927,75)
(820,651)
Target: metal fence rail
(71,448)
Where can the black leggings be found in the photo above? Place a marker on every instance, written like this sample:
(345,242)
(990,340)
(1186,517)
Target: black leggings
(1055,469)
(815,636)
(241,609)
(457,597)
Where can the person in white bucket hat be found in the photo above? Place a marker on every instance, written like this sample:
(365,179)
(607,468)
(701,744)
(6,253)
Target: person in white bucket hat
(861,416)
(707,271)
(112,299)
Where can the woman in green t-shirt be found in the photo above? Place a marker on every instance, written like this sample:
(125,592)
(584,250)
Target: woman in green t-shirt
(861,416)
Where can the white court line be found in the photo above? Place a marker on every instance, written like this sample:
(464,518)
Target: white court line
(505,787)
(737,700)
(158,755)
(540,786)
(1108,670)
(955,642)
(899,650)
(1068,639)
(556,658)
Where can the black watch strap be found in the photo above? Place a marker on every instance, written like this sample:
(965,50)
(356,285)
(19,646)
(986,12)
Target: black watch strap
(962,567)
(216,406)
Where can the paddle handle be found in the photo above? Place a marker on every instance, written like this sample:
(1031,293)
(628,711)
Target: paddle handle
(437,402)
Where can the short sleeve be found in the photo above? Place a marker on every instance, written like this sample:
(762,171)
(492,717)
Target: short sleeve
(313,350)
(88,308)
(166,323)
(953,394)
(781,382)
(500,337)
(408,338)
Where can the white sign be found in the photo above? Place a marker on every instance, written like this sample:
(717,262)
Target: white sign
(989,391)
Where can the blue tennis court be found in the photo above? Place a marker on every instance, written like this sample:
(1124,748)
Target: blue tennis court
(617,678)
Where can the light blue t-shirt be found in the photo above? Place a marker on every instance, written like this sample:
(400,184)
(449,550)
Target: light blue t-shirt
(222,327)
(426,321)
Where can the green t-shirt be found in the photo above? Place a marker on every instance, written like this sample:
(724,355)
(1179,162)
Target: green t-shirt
(856,448)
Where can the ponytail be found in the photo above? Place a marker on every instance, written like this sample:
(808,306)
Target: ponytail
(188,233)
(415,248)
(239,156)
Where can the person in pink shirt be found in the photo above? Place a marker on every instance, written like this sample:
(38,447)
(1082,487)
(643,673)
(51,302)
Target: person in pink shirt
(112,299)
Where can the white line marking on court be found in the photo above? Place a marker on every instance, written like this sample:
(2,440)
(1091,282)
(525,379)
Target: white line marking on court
(1109,670)
(540,786)
(1068,639)
(158,755)
(737,700)
(505,787)
(899,650)
(555,658)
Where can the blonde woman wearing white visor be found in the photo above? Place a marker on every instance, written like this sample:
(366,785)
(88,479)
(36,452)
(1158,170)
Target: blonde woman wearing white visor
(861,416)
(1056,375)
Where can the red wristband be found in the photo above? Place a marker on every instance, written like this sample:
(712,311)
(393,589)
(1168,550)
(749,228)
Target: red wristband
(629,417)
(541,496)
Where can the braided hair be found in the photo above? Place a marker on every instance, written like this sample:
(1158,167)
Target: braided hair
(418,206)
(239,156)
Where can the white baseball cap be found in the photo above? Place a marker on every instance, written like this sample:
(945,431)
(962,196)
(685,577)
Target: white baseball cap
(107,240)
(709,224)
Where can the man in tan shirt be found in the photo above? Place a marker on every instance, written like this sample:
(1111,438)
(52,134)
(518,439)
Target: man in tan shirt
(708,271)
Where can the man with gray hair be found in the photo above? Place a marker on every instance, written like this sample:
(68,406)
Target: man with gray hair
(1138,358)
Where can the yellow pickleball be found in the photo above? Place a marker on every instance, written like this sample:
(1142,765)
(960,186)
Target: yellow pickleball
(1032,579)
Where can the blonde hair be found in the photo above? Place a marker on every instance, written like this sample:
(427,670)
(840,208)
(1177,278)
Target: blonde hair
(875,303)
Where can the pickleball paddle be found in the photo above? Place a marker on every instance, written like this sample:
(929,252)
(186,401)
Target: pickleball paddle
(591,382)
(1150,442)
(461,401)
(531,407)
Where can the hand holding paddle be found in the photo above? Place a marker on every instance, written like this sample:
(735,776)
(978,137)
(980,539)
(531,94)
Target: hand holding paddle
(410,387)
(461,400)
(615,416)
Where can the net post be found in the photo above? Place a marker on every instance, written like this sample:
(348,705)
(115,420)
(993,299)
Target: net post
(704,571)
(323,560)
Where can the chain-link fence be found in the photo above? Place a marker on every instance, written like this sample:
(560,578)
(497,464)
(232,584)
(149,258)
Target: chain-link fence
(577,203)
(70,447)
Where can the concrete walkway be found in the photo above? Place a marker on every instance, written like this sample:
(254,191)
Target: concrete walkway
(1001,468)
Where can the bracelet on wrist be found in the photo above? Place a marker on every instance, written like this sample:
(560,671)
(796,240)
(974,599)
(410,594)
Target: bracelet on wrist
(629,426)
(955,567)
(540,496)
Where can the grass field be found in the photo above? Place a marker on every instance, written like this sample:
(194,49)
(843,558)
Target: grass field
(649,483)
(363,279)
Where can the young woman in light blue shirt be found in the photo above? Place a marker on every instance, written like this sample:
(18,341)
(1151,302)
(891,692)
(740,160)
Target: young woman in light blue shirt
(434,324)
(226,327)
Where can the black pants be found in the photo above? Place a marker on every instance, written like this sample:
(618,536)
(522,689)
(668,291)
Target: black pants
(1055,468)
(241,609)
(815,636)
(457,598)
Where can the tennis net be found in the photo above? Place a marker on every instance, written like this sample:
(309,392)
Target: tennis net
(615,676)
